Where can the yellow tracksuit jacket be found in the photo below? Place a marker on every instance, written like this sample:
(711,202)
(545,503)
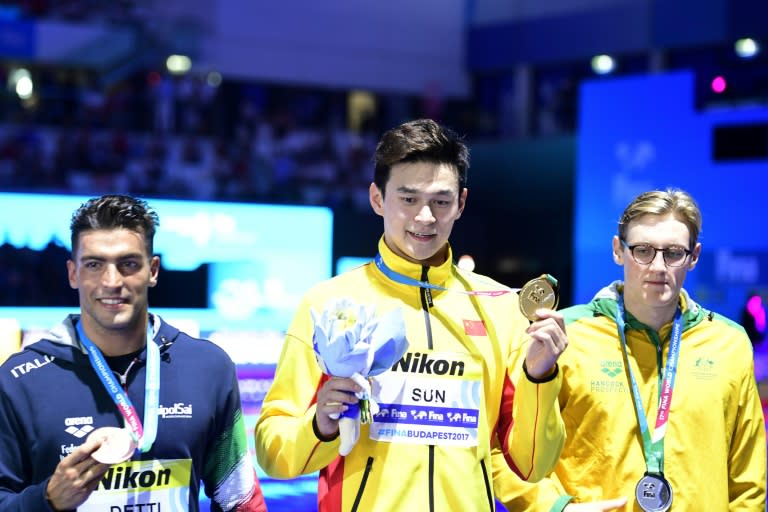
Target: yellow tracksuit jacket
(421,469)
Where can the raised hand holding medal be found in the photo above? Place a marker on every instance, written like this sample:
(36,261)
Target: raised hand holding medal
(538,299)
(540,292)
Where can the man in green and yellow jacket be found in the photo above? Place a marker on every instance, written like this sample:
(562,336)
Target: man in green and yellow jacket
(659,396)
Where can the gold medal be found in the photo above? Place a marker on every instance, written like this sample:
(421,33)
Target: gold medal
(540,292)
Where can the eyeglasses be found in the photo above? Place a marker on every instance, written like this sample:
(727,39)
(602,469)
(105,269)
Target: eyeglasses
(644,254)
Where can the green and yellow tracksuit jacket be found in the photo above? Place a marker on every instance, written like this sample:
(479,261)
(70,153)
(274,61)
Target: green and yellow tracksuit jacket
(432,452)
(715,445)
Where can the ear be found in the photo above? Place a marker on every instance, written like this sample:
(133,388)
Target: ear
(462,201)
(694,259)
(72,274)
(376,199)
(154,270)
(618,251)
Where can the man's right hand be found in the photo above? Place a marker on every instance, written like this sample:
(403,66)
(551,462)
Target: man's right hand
(76,477)
(597,506)
(333,399)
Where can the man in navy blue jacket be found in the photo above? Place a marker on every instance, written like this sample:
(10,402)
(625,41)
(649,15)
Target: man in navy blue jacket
(114,409)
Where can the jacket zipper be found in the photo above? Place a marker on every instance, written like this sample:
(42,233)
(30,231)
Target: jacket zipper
(426,303)
(488,493)
(359,496)
(164,344)
(124,376)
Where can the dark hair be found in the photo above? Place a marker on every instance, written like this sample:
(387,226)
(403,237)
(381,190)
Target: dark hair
(422,140)
(113,212)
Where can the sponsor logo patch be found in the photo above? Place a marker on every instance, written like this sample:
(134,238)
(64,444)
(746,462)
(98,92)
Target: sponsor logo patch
(79,426)
(422,363)
(177,410)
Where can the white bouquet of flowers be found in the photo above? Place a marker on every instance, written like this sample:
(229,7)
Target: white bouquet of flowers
(351,341)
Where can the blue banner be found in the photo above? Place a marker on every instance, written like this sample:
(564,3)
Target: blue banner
(639,133)
(18,39)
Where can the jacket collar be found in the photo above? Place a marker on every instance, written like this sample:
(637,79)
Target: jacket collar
(436,275)
(605,303)
(62,341)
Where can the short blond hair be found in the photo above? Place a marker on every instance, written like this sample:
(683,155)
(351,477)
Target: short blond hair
(662,202)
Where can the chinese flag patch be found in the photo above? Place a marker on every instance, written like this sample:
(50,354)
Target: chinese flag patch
(475,328)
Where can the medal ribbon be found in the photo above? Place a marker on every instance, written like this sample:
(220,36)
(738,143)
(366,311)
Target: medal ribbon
(653,447)
(144,435)
(403,279)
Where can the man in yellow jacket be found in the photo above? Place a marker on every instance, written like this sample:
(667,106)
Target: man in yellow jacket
(659,395)
(451,397)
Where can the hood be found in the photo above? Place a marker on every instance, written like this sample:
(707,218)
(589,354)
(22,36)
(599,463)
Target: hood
(605,303)
(62,341)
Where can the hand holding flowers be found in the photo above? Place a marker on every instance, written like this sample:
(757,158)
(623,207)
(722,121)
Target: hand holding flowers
(351,341)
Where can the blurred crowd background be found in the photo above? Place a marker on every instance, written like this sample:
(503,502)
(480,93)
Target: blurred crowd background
(283,103)
(235,101)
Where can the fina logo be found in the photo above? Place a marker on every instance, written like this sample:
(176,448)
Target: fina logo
(733,268)
(634,159)
(177,410)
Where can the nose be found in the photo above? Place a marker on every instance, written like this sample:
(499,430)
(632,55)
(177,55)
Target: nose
(658,261)
(111,277)
(425,215)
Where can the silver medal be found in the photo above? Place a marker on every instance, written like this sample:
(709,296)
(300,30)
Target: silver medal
(653,493)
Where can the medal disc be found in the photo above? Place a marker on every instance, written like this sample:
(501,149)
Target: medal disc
(540,292)
(117,446)
(653,493)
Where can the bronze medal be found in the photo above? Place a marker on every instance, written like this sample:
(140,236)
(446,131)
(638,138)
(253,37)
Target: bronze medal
(541,292)
(117,445)
(653,493)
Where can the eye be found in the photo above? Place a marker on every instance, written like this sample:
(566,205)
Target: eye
(92,265)
(130,264)
(643,250)
(442,202)
(675,253)
(408,199)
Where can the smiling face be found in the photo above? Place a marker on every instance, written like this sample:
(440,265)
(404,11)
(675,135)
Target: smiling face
(419,206)
(651,291)
(112,273)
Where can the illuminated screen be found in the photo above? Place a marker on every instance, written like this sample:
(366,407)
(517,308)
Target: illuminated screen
(258,261)
(641,133)
(346,263)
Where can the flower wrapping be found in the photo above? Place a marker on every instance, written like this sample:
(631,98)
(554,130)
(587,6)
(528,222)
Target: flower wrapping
(350,340)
